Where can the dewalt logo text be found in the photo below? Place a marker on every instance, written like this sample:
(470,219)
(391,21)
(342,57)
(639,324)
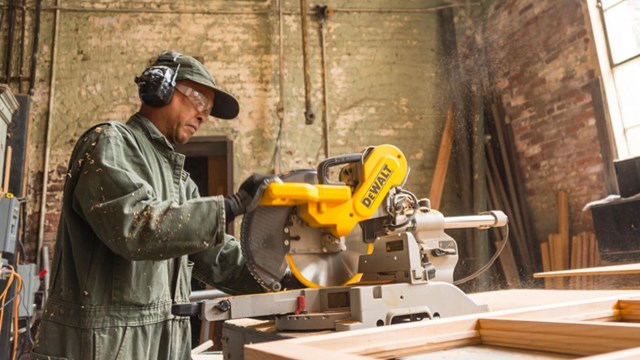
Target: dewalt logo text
(376,186)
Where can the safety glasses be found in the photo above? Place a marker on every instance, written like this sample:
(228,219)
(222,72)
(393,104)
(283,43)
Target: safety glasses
(200,102)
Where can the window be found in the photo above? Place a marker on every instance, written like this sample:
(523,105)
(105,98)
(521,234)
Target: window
(616,26)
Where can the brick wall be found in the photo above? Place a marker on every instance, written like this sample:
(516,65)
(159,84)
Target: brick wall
(542,59)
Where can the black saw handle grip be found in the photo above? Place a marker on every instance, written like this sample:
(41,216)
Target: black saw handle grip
(323,167)
(190,309)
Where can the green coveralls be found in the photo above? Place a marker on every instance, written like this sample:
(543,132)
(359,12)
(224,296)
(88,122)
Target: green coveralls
(133,229)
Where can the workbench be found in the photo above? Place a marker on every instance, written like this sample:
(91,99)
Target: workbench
(522,323)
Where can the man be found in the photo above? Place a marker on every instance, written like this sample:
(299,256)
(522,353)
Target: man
(133,228)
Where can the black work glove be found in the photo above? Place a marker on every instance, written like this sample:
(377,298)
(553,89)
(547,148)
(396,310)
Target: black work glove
(247,197)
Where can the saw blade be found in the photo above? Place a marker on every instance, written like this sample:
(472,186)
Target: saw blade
(282,251)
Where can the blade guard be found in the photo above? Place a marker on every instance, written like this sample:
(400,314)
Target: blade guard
(335,207)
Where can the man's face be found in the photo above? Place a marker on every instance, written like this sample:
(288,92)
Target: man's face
(189,108)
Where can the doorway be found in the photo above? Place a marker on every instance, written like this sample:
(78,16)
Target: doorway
(209,161)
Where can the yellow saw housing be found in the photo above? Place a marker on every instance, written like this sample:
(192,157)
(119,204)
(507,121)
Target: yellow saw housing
(336,207)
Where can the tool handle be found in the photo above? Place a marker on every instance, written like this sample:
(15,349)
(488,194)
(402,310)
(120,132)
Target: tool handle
(323,168)
(493,218)
(191,309)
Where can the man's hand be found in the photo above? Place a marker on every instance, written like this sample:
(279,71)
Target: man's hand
(248,196)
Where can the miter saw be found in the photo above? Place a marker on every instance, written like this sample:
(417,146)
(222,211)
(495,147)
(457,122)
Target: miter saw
(345,247)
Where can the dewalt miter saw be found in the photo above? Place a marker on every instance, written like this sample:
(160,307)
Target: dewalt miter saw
(351,252)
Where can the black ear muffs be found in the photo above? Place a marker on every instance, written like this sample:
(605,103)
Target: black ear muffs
(157,83)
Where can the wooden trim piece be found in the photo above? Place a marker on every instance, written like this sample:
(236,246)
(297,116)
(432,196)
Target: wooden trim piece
(563,228)
(442,163)
(381,342)
(625,269)
(546,262)
(629,310)
(576,338)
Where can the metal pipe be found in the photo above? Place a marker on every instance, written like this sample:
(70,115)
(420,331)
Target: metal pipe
(45,175)
(34,51)
(277,159)
(158,11)
(254,12)
(400,10)
(308,112)
(23,31)
(322,13)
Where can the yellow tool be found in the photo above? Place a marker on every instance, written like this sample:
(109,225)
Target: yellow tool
(340,207)
(312,226)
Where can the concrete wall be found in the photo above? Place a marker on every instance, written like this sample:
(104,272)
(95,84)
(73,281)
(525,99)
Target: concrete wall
(383,82)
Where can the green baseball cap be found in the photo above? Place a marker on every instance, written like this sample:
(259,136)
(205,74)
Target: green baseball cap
(225,105)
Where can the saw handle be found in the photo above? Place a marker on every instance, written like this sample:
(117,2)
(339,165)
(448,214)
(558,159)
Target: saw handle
(188,309)
(323,167)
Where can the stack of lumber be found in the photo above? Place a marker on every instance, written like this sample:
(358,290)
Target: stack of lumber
(584,254)
(563,252)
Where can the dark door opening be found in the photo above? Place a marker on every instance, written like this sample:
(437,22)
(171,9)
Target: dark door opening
(209,161)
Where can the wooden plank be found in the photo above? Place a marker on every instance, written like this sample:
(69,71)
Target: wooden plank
(618,330)
(580,259)
(507,259)
(587,258)
(563,228)
(7,171)
(555,251)
(629,310)
(514,182)
(601,270)
(573,260)
(442,162)
(546,262)
(577,338)
(383,340)
(505,204)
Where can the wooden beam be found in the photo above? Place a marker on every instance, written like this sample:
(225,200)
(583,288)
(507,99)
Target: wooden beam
(563,228)
(442,163)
